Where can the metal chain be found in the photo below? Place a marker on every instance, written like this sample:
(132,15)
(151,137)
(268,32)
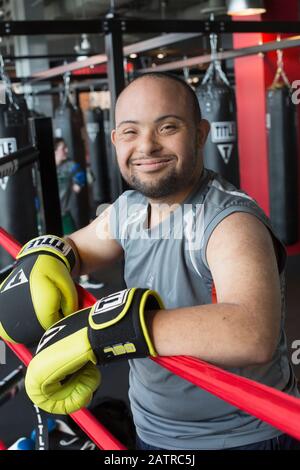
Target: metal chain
(280,72)
(66,92)
(186,71)
(7,84)
(92,97)
(215,68)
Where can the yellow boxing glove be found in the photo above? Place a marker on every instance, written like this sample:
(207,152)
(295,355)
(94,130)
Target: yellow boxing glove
(62,377)
(39,291)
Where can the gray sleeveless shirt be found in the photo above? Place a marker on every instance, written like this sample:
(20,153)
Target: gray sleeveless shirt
(168,411)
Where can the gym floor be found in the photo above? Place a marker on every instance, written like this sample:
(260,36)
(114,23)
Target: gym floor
(18,417)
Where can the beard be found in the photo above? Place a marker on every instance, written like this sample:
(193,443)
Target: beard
(166,185)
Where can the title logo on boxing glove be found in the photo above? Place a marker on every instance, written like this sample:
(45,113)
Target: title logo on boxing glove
(111,302)
(48,241)
(53,245)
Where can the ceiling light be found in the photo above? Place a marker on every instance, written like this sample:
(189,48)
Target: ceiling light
(85,44)
(245,7)
(83,48)
(133,55)
(161,55)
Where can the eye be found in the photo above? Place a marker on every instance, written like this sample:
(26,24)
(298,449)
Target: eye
(129,131)
(168,128)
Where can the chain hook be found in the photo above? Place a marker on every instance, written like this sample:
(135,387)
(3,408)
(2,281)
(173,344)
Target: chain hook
(66,91)
(280,72)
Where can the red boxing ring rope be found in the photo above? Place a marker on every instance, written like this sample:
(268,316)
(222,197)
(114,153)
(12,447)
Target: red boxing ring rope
(87,422)
(268,404)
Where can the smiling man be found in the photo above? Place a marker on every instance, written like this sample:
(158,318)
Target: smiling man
(159,139)
(158,148)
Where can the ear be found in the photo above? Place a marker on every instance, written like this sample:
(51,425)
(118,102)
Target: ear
(203,129)
(113,137)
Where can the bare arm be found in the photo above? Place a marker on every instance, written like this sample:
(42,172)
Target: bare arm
(243,328)
(95,246)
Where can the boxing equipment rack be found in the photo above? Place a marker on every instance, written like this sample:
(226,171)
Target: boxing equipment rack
(113,27)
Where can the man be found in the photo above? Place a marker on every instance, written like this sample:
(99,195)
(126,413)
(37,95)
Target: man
(226,241)
(71,179)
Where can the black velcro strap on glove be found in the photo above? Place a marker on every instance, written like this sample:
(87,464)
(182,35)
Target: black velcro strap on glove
(117,325)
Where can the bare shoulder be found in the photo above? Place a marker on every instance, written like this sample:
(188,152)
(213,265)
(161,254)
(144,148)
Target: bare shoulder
(242,259)
(237,233)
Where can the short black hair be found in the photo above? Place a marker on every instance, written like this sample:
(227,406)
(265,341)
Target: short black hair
(57,141)
(175,78)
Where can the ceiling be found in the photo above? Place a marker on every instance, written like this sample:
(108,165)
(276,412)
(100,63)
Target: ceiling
(62,9)
(83,9)
(87,9)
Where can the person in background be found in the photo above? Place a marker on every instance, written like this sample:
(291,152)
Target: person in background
(71,179)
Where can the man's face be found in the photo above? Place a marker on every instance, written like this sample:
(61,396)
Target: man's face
(61,153)
(158,143)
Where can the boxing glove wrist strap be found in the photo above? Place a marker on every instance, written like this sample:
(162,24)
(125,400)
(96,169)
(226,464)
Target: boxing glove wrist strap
(117,325)
(50,244)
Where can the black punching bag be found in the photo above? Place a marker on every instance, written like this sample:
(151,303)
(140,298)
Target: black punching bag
(97,151)
(68,124)
(17,192)
(217,102)
(282,142)
(109,154)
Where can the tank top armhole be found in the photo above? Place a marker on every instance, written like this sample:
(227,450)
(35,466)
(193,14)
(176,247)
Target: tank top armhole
(279,248)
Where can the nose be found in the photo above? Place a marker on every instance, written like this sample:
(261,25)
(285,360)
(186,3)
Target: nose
(148,143)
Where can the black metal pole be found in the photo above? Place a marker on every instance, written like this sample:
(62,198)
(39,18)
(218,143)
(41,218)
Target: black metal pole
(116,83)
(6,272)
(11,385)
(42,135)
(142,25)
(12,163)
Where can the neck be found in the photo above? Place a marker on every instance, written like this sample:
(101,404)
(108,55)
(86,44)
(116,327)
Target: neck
(59,162)
(180,196)
(157,213)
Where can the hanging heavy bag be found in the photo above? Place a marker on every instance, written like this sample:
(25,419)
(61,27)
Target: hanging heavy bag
(282,153)
(217,102)
(68,124)
(17,192)
(116,183)
(113,190)
(97,152)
